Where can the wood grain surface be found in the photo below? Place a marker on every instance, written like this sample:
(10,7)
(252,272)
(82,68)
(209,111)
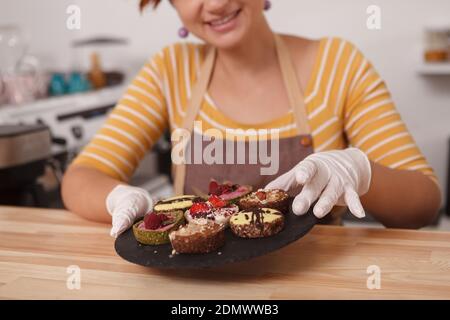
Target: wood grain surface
(38,245)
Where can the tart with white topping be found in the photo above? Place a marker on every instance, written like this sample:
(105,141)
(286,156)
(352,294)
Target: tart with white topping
(214,210)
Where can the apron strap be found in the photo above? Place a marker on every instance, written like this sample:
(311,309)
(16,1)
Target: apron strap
(293,87)
(193,107)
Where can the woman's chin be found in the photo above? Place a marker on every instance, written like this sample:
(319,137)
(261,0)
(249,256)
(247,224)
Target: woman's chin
(227,40)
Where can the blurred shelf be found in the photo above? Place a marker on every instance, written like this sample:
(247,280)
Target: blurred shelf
(75,102)
(434,69)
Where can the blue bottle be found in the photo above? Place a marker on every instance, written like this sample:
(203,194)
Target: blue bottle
(78,83)
(57,86)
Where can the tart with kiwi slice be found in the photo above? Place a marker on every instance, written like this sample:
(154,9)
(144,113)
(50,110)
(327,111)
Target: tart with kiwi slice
(154,229)
(275,198)
(228,191)
(213,210)
(198,238)
(257,223)
(176,203)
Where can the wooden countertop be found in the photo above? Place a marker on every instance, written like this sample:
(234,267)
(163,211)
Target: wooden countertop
(37,246)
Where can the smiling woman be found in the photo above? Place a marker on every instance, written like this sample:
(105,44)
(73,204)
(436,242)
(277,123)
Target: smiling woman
(340,136)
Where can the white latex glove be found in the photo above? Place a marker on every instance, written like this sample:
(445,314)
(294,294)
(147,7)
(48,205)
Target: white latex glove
(334,177)
(126,204)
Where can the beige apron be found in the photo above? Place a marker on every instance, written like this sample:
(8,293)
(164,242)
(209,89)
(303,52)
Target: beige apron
(194,178)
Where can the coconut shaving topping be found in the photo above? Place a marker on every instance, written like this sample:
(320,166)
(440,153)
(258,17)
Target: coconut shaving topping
(215,209)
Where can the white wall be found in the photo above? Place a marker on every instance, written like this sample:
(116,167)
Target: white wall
(423,102)
(43,22)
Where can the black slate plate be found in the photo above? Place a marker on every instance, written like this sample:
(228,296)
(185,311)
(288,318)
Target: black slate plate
(235,248)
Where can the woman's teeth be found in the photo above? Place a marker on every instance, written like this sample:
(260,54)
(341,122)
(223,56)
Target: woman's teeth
(224,20)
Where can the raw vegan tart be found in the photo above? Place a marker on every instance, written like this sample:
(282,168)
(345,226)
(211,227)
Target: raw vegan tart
(276,199)
(196,238)
(257,223)
(228,191)
(176,203)
(155,227)
(214,210)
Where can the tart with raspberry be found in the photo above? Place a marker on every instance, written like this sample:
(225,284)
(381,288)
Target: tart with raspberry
(257,223)
(156,226)
(228,191)
(213,210)
(176,203)
(198,238)
(276,199)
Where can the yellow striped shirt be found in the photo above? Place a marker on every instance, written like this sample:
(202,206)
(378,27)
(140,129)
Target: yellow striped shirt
(347,103)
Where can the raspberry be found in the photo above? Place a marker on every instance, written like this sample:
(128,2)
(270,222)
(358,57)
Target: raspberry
(217,189)
(261,195)
(154,221)
(226,188)
(199,208)
(217,202)
(214,188)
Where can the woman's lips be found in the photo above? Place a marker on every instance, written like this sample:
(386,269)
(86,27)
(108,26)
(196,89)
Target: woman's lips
(224,24)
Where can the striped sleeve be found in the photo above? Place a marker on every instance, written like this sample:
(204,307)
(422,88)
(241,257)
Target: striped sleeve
(373,124)
(133,126)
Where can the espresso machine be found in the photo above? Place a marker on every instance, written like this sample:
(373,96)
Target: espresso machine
(70,122)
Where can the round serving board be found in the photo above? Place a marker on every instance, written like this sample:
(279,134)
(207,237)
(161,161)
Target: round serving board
(235,248)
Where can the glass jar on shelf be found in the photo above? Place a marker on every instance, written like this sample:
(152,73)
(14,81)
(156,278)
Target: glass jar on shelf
(437,43)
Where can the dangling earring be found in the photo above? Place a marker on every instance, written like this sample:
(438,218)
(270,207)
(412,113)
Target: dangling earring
(183,32)
(267,5)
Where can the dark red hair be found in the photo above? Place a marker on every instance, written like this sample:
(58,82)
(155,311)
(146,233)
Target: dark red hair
(144,3)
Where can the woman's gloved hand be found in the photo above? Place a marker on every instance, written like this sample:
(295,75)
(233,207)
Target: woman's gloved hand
(336,177)
(126,204)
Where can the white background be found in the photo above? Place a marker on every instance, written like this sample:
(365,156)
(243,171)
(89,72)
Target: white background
(424,102)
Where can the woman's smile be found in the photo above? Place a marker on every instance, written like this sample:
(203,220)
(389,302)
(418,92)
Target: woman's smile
(226,23)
